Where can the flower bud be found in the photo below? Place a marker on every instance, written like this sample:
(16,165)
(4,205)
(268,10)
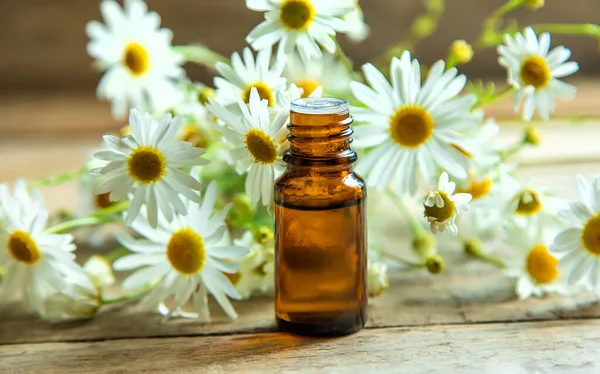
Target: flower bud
(461,52)
(100,271)
(125,130)
(472,246)
(534,4)
(424,244)
(435,264)
(263,234)
(423,26)
(532,136)
(377,278)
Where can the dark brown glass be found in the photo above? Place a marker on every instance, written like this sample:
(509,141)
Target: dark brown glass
(320,228)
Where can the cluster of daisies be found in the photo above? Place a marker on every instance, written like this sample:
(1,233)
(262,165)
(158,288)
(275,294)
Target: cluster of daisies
(191,175)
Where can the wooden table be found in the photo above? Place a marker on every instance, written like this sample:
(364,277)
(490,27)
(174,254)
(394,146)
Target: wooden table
(466,319)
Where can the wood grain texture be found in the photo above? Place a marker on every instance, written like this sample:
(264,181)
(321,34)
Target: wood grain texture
(44,44)
(544,347)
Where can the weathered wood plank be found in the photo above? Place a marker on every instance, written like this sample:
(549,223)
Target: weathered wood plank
(548,347)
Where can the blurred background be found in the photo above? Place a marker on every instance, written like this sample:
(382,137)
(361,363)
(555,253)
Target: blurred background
(47,81)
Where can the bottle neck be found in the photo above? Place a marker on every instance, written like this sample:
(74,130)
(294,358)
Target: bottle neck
(320,141)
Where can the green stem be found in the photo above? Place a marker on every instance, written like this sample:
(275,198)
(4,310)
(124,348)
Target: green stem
(201,55)
(415,227)
(490,260)
(404,261)
(129,296)
(423,26)
(116,254)
(569,29)
(488,36)
(344,59)
(97,218)
(450,61)
(57,179)
(497,96)
(508,153)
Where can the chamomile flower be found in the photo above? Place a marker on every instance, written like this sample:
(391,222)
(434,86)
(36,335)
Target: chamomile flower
(484,154)
(358,30)
(78,299)
(531,263)
(442,206)
(37,263)
(257,141)
(326,72)
(412,127)
(299,24)
(137,57)
(184,257)
(377,278)
(534,71)
(534,206)
(195,128)
(238,80)
(578,247)
(256,274)
(147,167)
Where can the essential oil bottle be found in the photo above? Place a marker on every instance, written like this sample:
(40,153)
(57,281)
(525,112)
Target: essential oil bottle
(320,225)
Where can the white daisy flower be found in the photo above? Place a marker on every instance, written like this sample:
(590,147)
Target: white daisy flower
(442,206)
(484,153)
(531,263)
(99,270)
(412,127)
(37,263)
(534,71)
(150,163)
(578,247)
(137,56)
(241,77)
(258,141)
(326,72)
(78,299)
(377,278)
(299,24)
(184,257)
(529,206)
(358,30)
(256,274)
(196,127)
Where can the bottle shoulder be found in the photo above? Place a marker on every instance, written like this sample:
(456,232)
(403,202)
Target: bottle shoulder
(318,189)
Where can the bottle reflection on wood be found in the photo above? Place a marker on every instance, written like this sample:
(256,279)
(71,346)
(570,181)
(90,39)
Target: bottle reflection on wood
(320,226)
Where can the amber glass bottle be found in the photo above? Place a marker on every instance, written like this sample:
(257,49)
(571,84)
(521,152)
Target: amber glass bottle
(320,225)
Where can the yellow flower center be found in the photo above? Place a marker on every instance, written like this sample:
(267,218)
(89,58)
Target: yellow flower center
(308,85)
(261,146)
(147,165)
(186,252)
(264,92)
(591,235)
(205,94)
(411,126)
(136,58)
(444,213)
(102,200)
(535,72)
(23,248)
(541,265)
(529,203)
(234,278)
(192,133)
(297,14)
(478,189)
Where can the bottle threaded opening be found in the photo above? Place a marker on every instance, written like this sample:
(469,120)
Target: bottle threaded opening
(319,105)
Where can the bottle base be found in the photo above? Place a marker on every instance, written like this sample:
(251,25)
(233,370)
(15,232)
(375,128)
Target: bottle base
(323,328)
